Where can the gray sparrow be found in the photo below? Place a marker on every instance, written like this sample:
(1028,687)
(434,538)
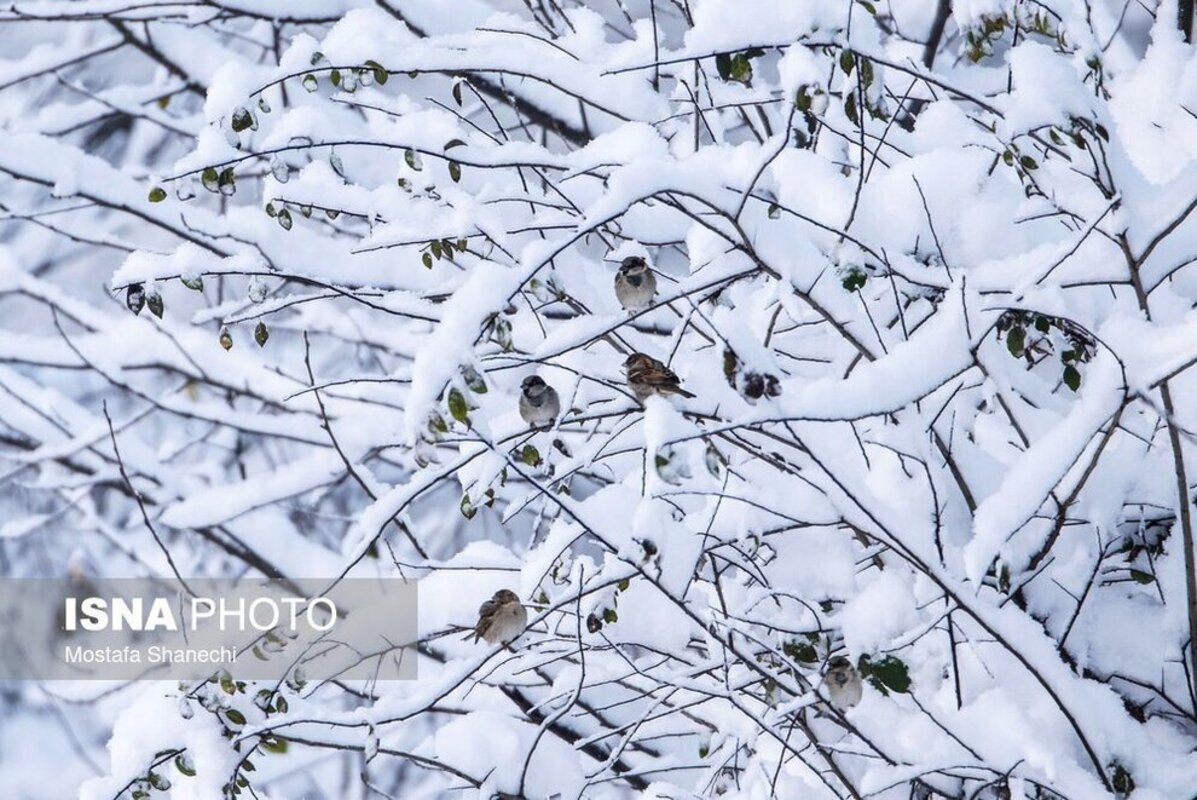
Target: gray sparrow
(647,376)
(501,619)
(843,683)
(635,284)
(539,402)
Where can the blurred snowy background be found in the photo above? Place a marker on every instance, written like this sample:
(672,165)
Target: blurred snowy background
(271,275)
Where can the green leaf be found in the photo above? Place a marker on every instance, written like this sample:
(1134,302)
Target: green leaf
(847,61)
(135,297)
(193,282)
(242,119)
(854,279)
(869,7)
(155,304)
(723,65)
(1072,377)
(311,82)
(413,159)
(455,171)
(530,456)
(261,334)
(281,706)
(157,194)
(1142,577)
(226,341)
(234,716)
(610,616)
(427,259)
(467,508)
(741,69)
(774,211)
(803,101)
(866,72)
(624,584)
(226,184)
(1028,163)
(475,382)
(381,76)
(449,145)
(801,651)
(1016,340)
(334,77)
(274,744)
(184,766)
(457,93)
(713,460)
(210,178)
(850,109)
(1123,782)
(889,673)
(284,219)
(1042,323)
(458,407)
(502,332)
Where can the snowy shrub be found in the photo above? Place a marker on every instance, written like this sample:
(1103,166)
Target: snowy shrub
(272,276)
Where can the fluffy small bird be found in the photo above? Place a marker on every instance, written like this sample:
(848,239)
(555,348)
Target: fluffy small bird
(647,376)
(501,618)
(635,284)
(539,402)
(843,683)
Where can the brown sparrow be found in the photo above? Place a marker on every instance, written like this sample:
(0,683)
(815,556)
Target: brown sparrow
(635,284)
(843,683)
(539,402)
(647,376)
(501,619)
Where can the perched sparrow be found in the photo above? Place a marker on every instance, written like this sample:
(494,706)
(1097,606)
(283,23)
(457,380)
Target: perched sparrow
(635,284)
(843,683)
(647,376)
(501,618)
(539,403)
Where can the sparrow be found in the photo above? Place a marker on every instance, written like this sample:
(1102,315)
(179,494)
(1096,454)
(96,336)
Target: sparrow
(635,284)
(843,683)
(647,376)
(539,403)
(501,618)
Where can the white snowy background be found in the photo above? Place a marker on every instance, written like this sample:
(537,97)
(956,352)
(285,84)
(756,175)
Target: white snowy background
(957,237)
